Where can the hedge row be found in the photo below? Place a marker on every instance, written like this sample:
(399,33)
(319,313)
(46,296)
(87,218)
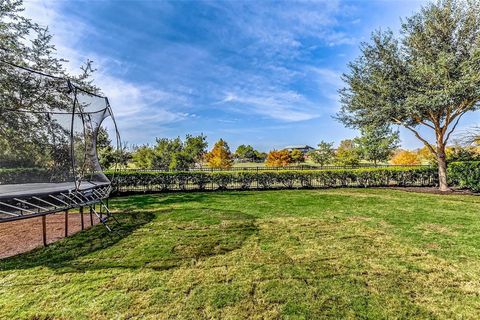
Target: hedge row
(465,174)
(24,175)
(129,181)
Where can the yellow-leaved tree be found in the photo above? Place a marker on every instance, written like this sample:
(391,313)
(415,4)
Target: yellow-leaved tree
(220,156)
(405,157)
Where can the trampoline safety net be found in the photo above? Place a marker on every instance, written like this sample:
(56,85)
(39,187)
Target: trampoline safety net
(48,138)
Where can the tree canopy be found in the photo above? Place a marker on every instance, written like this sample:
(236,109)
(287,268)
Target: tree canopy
(220,156)
(324,153)
(347,153)
(278,158)
(428,77)
(27,44)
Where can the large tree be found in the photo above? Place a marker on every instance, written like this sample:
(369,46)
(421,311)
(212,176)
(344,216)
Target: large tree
(428,77)
(32,138)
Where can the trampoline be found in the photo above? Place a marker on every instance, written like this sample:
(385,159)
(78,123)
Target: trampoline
(48,145)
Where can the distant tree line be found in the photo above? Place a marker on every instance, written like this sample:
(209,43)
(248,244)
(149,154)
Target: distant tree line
(375,145)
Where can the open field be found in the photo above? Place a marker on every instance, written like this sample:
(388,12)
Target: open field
(336,253)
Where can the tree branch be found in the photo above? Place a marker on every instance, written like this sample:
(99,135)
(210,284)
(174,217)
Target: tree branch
(415,132)
(426,124)
(425,142)
(453,128)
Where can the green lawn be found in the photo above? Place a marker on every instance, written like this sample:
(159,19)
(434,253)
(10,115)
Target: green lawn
(341,253)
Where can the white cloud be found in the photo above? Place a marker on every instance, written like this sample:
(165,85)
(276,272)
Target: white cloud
(133,104)
(285,106)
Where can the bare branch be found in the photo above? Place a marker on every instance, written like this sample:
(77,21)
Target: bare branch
(415,132)
(426,124)
(425,142)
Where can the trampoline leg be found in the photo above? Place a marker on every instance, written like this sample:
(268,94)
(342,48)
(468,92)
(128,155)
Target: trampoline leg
(66,223)
(44,230)
(91,216)
(81,218)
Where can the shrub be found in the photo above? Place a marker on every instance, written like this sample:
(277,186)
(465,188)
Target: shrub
(30,175)
(465,174)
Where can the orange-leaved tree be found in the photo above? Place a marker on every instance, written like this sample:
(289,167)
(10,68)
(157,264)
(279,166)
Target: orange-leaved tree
(220,156)
(277,158)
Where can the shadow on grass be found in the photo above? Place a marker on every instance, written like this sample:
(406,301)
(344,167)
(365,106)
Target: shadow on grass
(168,241)
(63,253)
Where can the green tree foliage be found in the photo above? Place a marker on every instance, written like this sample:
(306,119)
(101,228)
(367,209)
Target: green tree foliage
(248,153)
(171,154)
(220,156)
(165,153)
(347,154)
(260,156)
(105,150)
(245,152)
(324,154)
(24,42)
(377,143)
(425,78)
(196,147)
(297,156)
(175,154)
(142,157)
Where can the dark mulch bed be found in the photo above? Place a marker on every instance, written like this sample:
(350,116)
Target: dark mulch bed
(25,235)
(434,190)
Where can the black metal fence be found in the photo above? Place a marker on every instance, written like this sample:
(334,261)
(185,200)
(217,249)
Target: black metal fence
(287,168)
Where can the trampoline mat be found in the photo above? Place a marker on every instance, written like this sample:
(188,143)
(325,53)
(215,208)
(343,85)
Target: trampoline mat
(39,189)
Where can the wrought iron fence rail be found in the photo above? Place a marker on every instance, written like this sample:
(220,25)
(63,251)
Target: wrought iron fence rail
(264,168)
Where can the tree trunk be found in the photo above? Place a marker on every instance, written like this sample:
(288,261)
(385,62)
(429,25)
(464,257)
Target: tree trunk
(442,168)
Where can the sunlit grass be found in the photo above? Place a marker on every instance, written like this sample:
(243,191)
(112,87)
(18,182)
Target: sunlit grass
(344,253)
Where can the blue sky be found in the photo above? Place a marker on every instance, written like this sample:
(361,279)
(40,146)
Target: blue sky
(250,72)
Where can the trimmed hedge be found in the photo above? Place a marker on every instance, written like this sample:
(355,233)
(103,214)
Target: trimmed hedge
(23,175)
(144,181)
(465,174)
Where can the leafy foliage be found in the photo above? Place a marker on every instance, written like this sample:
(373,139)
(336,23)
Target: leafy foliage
(324,154)
(405,157)
(297,156)
(171,154)
(278,158)
(220,156)
(142,157)
(27,44)
(428,77)
(377,143)
(347,153)
(465,174)
(193,180)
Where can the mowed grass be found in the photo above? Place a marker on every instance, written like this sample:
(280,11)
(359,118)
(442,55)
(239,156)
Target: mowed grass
(298,254)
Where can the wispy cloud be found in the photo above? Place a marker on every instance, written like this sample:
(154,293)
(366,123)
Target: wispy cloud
(285,106)
(133,103)
(219,67)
